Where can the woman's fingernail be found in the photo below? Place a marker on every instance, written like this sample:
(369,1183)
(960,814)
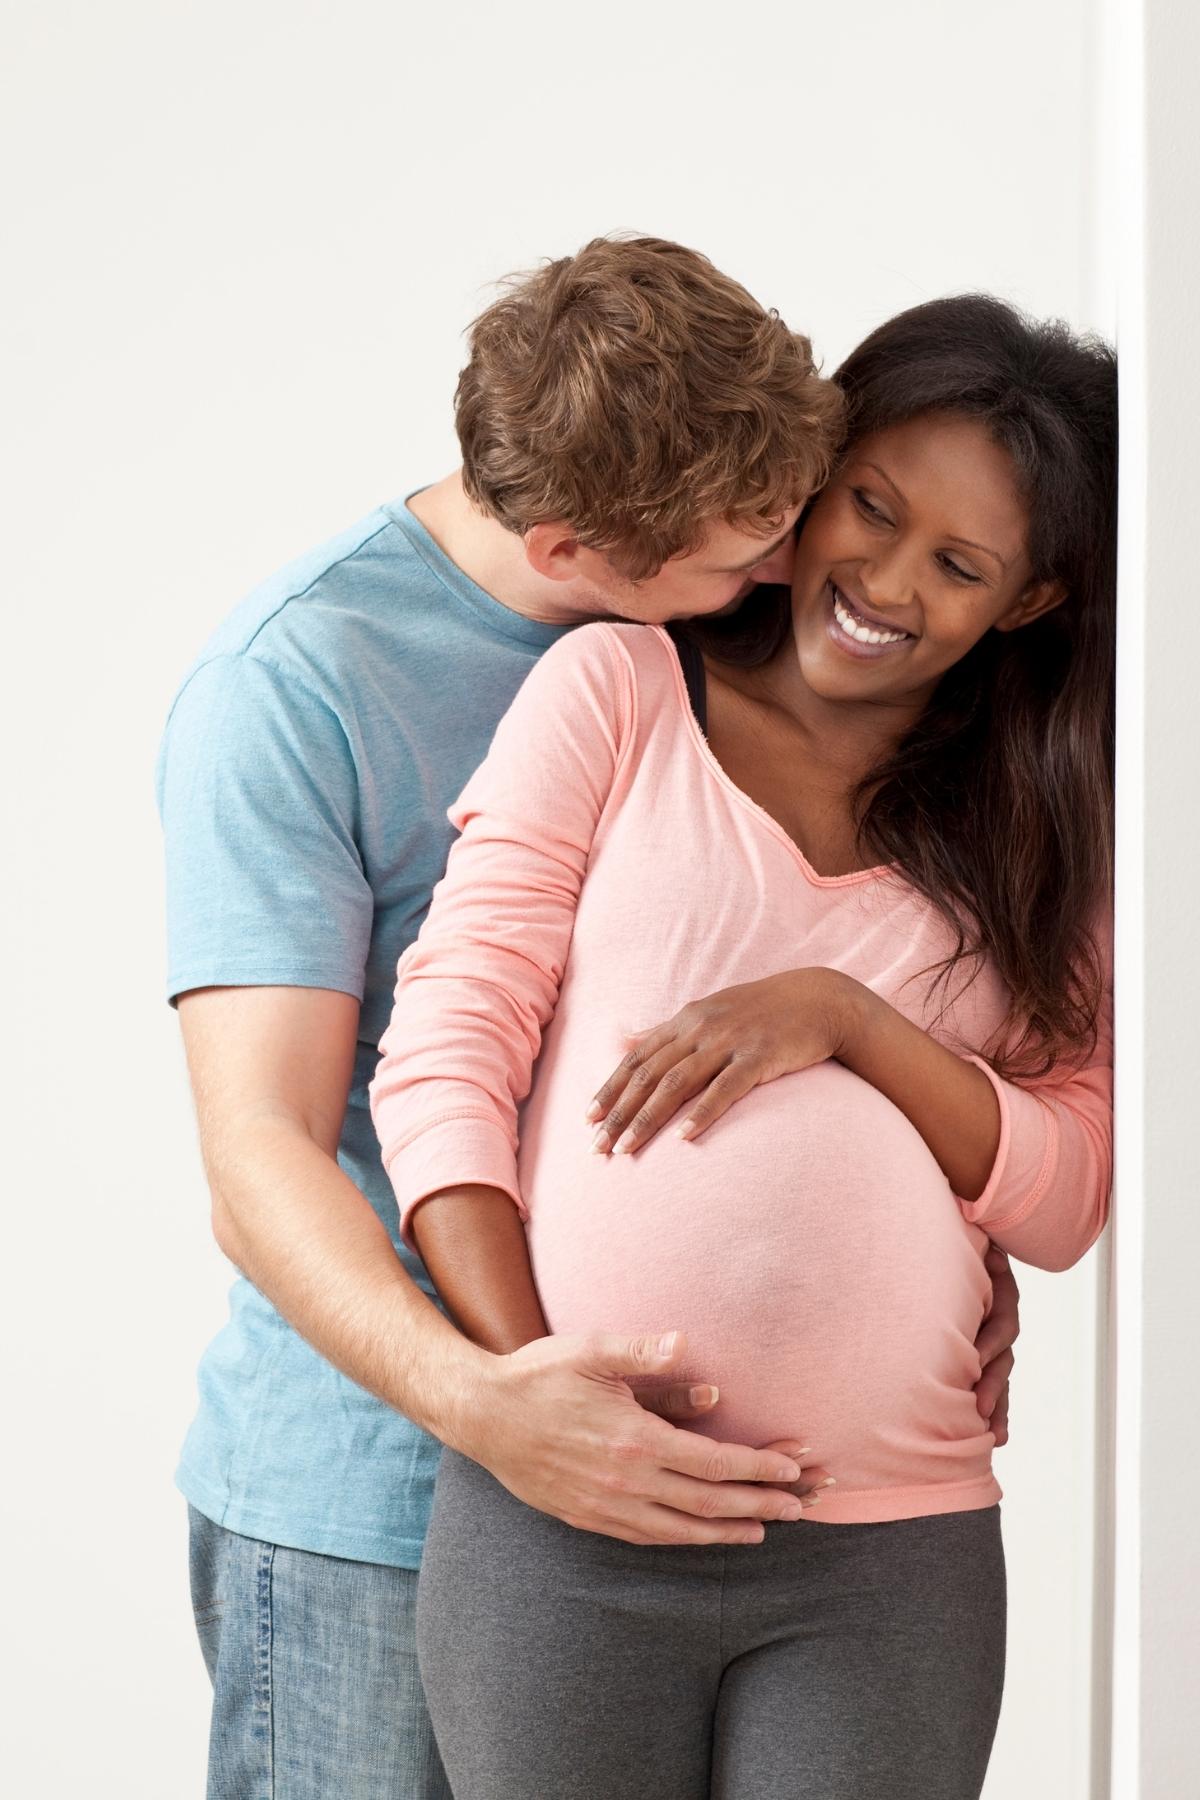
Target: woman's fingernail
(811,1500)
(624,1143)
(600,1141)
(829,1481)
(594,1111)
(686,1129)
(703,1396)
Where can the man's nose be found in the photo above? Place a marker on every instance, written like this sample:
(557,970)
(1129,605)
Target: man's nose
(776,568)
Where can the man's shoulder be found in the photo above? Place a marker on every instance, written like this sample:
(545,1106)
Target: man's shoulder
(340,584)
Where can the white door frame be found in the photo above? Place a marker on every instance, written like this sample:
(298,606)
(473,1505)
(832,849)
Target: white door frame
(1153,1579)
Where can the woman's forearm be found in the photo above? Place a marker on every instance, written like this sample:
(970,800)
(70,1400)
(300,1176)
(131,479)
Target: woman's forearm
(472,1241)
(949,1101)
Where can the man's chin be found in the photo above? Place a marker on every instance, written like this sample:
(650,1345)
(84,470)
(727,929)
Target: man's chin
(681,618)
(718,612)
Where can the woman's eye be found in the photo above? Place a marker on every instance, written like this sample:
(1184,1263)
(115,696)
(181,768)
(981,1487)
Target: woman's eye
(866,507)
(959,573)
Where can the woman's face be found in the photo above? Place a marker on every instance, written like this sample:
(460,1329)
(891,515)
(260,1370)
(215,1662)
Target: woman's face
(916,548)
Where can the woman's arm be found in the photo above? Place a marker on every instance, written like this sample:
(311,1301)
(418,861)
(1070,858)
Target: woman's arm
(1032,1165)
(950,1101)
(472,1241)
(480,983)
(743,1036)
(472,997)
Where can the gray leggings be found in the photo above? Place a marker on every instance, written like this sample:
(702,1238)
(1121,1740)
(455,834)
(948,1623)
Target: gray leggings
(852,1662)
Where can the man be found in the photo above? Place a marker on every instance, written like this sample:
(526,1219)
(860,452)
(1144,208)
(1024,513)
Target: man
(638,437)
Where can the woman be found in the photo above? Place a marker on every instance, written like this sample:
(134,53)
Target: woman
(883,851)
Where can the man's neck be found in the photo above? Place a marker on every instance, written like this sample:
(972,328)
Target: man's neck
(493,558)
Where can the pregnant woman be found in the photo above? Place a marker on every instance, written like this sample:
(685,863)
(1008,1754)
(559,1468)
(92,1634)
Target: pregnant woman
(870,821)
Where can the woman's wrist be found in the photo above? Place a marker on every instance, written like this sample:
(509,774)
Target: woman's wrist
(853,1011)
(950,1102)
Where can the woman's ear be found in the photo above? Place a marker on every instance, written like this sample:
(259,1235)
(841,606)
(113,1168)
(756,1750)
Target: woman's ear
(1039,597)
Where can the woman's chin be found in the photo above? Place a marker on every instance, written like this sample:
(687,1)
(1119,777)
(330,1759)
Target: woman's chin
(829,676)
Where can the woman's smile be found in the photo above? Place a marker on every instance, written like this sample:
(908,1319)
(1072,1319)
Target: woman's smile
(857,632)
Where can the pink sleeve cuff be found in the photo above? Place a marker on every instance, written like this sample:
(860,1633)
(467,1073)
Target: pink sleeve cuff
(459,1149)
(1025,1157)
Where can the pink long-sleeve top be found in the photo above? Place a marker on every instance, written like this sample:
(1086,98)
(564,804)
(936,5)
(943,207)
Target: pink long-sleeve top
(829,1281)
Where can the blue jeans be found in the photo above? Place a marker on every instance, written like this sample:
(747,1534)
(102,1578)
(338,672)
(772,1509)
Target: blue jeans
(316,1692)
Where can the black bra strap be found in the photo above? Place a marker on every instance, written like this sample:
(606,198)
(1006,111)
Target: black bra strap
(692,664)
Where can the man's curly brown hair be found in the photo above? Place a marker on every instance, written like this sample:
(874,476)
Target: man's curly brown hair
(637,394)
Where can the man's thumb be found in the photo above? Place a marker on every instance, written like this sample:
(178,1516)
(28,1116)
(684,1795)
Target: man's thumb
(635,1356)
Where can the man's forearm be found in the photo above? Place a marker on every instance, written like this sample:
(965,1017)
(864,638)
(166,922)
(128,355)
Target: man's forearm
(299,1229)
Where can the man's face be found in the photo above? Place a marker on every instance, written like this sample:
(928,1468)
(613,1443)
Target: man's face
(713,579)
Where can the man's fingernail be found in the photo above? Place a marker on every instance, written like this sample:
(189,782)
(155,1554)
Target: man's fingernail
(784,1473)
(703,1396)
(666,1343)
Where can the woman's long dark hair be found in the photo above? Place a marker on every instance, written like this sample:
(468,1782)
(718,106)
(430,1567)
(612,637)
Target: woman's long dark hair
(998,804)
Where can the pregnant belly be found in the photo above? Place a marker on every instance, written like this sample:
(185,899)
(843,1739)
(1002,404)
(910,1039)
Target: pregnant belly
(809,1246)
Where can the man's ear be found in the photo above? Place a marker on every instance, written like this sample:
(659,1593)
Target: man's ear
(553,550)
(1039,597)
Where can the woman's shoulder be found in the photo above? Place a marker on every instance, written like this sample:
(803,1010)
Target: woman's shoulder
(606,644)
(613,661)
(571,728)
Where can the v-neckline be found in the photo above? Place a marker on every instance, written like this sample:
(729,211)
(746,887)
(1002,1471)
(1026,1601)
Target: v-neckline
(715,769)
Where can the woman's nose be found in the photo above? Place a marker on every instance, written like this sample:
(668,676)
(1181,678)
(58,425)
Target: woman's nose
(885,583)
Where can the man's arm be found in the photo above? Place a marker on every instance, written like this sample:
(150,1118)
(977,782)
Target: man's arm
(270,1071)
(554,1421)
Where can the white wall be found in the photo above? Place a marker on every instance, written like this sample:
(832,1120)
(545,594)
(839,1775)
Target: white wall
(247,238)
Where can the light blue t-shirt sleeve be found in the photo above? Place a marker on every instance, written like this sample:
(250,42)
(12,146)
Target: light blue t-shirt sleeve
(258,794)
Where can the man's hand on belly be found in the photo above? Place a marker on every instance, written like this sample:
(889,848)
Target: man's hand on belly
(557,1418)
(557,1422)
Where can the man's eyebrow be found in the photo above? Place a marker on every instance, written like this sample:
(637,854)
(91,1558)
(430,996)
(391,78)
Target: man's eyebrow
(762,555)
(966,542)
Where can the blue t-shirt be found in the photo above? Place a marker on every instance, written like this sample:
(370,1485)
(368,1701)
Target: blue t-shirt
(303,782)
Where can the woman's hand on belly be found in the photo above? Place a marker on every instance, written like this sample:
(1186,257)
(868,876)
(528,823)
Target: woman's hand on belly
(715,1050)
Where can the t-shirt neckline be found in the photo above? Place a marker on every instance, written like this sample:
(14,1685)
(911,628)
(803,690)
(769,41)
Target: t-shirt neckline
(492,612)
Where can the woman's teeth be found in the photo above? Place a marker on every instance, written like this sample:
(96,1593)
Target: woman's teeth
(858,628)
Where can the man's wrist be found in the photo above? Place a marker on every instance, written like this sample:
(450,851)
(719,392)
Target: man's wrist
(458,1399)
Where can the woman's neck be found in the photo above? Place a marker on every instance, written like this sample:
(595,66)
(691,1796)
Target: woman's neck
(847,738)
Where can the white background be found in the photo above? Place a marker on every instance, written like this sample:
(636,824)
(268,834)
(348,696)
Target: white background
(245,240)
